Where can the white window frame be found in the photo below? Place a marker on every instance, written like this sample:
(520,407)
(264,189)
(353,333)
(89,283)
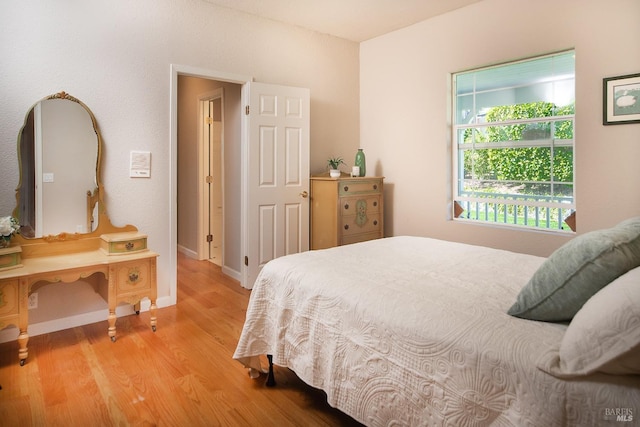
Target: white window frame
(561,204)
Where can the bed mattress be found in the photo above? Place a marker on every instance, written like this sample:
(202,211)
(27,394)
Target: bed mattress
(414,331)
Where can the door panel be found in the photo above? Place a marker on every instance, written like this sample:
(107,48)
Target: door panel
(293,221)
(277,175)
(293,162)
(267,156)
(267,237)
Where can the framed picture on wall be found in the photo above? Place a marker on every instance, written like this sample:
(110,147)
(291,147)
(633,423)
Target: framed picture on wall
(621,99)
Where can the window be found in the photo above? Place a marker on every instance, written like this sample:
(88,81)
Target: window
(513,135)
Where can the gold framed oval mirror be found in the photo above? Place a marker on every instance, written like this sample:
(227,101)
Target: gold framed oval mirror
(59,153)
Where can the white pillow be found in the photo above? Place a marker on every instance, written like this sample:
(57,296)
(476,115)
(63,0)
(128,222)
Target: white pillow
(604,336)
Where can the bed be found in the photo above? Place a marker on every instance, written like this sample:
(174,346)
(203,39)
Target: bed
(416,331)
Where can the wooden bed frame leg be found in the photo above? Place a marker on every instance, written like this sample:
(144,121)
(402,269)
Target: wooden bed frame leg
(271,380)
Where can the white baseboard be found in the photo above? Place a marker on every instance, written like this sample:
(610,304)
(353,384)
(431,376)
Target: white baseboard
(11,333)
(232,273)
(188,252)
(225,270)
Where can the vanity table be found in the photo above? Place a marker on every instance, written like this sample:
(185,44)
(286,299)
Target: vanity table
(125,277)
(115,261)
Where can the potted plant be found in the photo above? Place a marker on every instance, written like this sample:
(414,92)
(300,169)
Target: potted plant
(334,166)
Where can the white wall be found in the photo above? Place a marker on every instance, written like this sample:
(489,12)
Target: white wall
(405,100)
(116,55)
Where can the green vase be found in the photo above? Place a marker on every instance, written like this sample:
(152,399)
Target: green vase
(361,162)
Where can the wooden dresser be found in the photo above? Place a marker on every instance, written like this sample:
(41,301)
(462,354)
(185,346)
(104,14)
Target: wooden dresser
(346,210)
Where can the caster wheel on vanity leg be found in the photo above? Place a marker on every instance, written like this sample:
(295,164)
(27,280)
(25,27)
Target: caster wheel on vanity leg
(113,339)
(22,362)
(153,328)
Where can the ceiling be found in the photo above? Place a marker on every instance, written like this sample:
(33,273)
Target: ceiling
(356,20)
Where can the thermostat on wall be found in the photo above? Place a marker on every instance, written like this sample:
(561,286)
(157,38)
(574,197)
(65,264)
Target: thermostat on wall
(140,166)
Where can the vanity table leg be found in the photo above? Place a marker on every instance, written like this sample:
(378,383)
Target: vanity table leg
(23,338)
(112,324)
(152,311)
(112,303)
(23,321)
(154,294)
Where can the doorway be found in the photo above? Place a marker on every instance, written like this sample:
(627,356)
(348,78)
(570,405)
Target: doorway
(208,139)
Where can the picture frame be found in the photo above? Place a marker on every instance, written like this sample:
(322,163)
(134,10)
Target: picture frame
(621,99)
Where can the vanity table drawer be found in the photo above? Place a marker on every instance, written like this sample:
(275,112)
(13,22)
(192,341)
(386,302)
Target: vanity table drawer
(133,277)
(123,243)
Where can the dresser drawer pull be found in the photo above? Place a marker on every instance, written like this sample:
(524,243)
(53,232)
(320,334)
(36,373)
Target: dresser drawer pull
(375,204)
(346,188)
(129,246)
(346,226)
(346,206)
(375,222)
(375,186)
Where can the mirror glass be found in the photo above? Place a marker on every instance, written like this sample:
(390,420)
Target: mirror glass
(59,154)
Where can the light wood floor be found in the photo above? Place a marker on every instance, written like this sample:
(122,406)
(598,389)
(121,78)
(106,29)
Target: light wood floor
(181,375)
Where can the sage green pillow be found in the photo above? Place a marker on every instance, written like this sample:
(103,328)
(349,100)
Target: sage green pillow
(577,270)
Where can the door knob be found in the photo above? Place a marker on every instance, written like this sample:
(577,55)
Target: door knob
(304,194)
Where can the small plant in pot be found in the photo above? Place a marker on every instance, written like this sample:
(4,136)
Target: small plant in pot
(334,166)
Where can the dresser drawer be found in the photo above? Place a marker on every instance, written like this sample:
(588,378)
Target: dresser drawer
(9,297)
(363,205)
(360,237)
(360,186)
(354,224)
(133,277)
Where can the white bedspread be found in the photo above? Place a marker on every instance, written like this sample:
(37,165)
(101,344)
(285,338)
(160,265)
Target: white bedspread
(414,331)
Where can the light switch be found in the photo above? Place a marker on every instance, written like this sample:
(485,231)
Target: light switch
(47,177)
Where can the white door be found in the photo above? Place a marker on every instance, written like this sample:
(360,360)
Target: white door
(211,183)
(276,175)
(215,193)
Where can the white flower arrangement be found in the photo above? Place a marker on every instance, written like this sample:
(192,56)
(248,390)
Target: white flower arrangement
(8,227)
